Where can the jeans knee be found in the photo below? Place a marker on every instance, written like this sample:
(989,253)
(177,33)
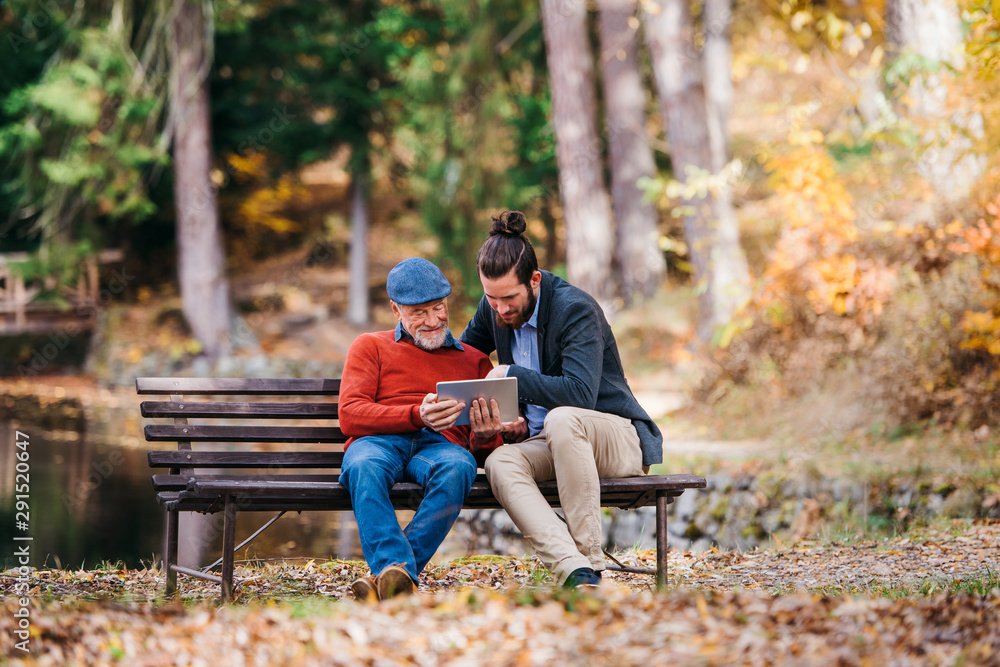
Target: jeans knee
(463,470)
(357,470)
(356,475)
(457,469)
(348,473)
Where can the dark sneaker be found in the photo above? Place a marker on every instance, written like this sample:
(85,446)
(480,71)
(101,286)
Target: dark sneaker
(394,580)
(583,577)
(365,590)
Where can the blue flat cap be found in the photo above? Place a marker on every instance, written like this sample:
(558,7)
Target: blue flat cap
(416,280)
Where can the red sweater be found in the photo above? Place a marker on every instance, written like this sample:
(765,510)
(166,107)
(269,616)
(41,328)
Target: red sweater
(384,383)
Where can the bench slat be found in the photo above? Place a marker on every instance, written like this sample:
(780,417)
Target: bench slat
(248,434)
(244,410)
(192,459)
(636,486)
(185,502)
(164,482)
(232,386)
(403,497)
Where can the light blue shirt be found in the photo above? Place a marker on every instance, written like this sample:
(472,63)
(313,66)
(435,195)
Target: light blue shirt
(524,348)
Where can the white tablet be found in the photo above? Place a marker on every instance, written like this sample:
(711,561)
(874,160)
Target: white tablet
(502,389)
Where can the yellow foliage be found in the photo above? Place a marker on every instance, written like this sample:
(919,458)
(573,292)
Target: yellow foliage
(247,168)
(982,240)
(981,87)
(814,256)
(263,206)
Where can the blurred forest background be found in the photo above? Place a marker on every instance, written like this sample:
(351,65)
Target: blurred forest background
(789,199)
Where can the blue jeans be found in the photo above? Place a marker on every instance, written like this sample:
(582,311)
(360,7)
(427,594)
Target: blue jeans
(374,463)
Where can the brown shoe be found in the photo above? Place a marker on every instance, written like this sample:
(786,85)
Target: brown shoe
(365,590)
(394,580)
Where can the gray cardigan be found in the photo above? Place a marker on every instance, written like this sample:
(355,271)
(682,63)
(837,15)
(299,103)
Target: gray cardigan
(578,355)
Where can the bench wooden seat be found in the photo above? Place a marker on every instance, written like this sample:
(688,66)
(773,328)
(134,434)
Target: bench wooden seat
(244,461)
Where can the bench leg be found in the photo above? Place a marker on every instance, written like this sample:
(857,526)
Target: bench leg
(662,501)
(170,553)
(228,548)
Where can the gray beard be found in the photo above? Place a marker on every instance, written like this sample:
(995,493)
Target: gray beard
(428,345)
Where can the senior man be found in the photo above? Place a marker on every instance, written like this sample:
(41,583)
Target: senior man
(400,432)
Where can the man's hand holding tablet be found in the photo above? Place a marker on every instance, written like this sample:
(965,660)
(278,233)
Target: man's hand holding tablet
(491,404)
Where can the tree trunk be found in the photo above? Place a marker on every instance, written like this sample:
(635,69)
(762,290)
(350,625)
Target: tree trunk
(586,209)
(717,17)
(357,294)
(720,268)
(932,30)
(640,263)
(200,258)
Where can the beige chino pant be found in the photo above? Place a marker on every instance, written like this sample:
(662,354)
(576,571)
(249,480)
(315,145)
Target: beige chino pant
(576,447)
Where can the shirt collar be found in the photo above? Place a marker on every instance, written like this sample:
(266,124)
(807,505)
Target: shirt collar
(533,320)
(449,340)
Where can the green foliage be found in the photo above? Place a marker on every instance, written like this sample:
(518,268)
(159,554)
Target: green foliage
(24,50)
(81,139)
(474,134)
(332,87)
(54,267)
(333,91)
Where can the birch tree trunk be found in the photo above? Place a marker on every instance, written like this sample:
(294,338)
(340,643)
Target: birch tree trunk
(200,258)
(586,209)
(932,30)
(357,289)
(640,263)
(717,17)
(720,268)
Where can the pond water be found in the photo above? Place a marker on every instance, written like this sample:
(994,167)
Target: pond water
(89,501)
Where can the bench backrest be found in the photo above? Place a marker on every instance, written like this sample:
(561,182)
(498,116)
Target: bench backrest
(208,411)
(254,444)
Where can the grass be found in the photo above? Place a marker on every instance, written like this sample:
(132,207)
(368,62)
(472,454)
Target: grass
(110,566)
(980,585)
(855,528)
(311,607)
(479,560)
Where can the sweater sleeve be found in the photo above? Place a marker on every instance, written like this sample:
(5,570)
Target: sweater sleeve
(360,414)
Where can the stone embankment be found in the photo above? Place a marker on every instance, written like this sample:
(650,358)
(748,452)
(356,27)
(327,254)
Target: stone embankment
(748,507)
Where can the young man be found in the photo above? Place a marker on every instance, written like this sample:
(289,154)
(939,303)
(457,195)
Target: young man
(401,432)
(583,421)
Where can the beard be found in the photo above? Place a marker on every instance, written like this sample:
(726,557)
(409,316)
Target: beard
(521,317)
(430,341)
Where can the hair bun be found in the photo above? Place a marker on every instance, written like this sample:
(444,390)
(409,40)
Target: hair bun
(509,223)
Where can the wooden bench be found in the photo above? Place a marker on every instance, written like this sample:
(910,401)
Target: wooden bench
(228,473)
